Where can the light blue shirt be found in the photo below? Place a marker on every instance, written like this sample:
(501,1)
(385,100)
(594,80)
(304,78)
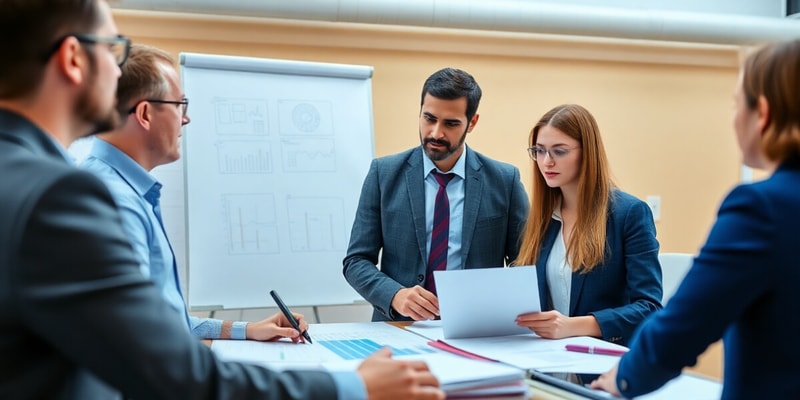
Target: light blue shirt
(455,193)
(135,190)
(131,185)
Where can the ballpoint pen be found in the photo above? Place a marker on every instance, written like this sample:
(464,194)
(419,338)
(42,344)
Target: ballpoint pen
(288,315)
(595,350)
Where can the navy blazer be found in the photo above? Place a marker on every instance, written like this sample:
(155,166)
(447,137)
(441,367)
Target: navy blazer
(391,218)
(742,288)
(78,320)
(626,288)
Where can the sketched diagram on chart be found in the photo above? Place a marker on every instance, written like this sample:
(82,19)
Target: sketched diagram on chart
(305,118)
(244,157)
(316,223)
(308,155)
(234,116)
(251,223)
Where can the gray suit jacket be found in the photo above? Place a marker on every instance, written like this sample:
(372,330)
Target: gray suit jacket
(391,218)
(74,305)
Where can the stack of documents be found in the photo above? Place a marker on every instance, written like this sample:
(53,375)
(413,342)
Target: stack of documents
(530,352)
(462,377)
(344,346)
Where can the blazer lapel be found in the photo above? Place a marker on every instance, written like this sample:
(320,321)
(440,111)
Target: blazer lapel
(541,264)
(576,291)
(473,188)
(415,186)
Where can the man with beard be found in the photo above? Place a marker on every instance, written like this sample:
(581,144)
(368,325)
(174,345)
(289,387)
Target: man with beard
(79,319)
(438,206)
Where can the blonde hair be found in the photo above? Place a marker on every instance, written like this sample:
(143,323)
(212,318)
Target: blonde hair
(587,249)
(142,77)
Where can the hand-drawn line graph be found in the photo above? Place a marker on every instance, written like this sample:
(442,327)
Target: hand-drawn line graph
(240,116)
(316,223)
(305,117)
(244,157)
(251,223)
(308,155)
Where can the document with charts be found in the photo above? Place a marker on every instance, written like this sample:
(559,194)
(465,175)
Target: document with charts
(344,346)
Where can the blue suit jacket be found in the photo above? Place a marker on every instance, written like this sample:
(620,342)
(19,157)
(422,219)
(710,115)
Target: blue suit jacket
(742,288)
(626,288)
(391,217)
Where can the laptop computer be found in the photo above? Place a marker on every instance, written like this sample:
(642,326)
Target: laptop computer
(485,302)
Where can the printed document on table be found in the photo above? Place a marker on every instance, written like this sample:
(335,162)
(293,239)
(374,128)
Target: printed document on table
(344,346)
(530,351)
(527,351)
(332,343)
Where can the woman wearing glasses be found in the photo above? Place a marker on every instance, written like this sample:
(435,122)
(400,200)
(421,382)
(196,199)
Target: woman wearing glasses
(594,246)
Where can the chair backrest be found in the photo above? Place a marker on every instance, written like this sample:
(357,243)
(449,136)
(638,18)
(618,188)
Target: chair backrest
(674,267)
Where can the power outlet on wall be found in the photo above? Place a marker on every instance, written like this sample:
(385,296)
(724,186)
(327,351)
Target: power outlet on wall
(655,206)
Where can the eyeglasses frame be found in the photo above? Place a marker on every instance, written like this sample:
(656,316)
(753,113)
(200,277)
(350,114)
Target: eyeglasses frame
(93,39)
(532,152)
(184,102)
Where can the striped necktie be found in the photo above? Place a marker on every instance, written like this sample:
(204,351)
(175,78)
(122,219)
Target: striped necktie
(437,257)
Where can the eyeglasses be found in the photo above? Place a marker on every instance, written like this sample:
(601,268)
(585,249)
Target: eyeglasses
(184,103)
(120,46)
(539,152)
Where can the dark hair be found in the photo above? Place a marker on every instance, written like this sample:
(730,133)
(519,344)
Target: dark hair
(773,71)
(29,29)
(142,77)
(451,84)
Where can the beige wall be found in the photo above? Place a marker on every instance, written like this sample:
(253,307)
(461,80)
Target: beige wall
(664,109)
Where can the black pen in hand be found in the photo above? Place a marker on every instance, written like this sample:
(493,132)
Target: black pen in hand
(289,316)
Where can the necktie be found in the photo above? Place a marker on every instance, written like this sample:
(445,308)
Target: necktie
(437,257)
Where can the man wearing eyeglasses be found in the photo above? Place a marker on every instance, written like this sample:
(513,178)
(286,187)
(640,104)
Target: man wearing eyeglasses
(153,109)
(78,319)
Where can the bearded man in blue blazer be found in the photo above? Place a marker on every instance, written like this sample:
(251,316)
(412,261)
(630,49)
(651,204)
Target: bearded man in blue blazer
(398,216)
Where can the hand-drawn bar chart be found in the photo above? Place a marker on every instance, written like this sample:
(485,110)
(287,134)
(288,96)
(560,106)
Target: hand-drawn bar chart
(316,224)
(251,223)
(244,157)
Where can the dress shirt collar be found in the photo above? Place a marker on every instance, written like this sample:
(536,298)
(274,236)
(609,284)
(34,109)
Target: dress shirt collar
(557,211)
(459,168)
(137,177)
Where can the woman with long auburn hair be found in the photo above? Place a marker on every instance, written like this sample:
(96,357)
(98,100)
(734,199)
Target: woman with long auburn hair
(594,245)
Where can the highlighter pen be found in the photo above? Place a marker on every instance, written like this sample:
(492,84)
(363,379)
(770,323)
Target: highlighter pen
(595,350)
(288,315)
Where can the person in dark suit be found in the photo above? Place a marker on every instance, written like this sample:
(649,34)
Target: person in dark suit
(79,320)
(486,202)
(594,245)
(743,284)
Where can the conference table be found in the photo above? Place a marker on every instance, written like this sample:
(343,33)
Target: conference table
(539,390)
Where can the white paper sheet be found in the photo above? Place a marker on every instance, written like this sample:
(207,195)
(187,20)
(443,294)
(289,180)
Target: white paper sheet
(528,351)
(486,301)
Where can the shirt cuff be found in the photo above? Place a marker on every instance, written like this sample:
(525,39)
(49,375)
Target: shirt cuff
(349,385)
(239,330)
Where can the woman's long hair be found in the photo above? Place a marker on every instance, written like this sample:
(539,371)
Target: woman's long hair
(587,246)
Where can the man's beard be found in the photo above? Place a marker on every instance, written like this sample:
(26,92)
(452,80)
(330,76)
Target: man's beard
(438,155)
(90,110)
